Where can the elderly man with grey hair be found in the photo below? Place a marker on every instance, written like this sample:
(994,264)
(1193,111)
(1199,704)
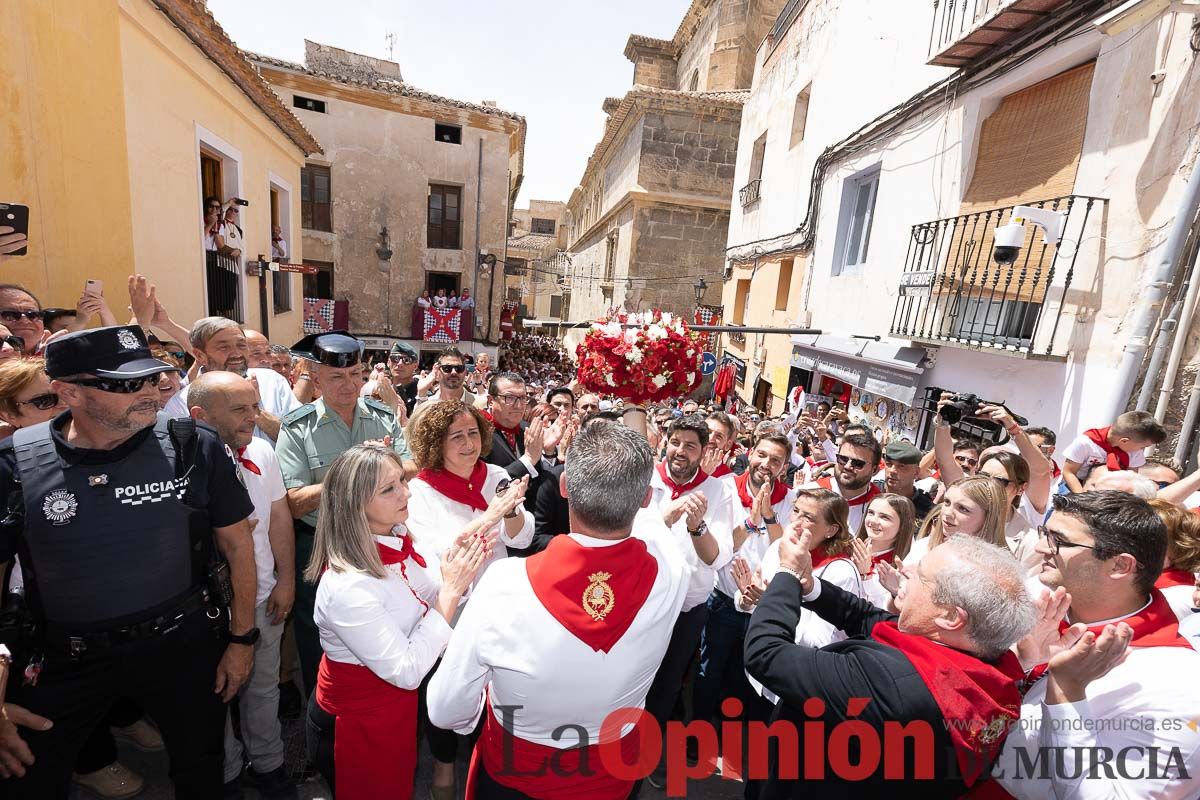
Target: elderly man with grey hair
(219,344)
(930,693)
(595,612)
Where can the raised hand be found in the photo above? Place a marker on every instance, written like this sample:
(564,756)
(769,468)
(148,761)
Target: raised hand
(461,564)
(761,508)
(861,556)
(1089,657)
(535,438)
(794,553)
(1045,640)
(890,576)
(711,459)
(142,299)
(697,507)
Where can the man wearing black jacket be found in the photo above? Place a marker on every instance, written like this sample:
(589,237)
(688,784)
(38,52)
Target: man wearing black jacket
(936,686)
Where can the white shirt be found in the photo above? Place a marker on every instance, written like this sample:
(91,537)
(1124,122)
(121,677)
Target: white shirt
(278,249)
(857,512)
(1021,535)
(466,302)
(424,302)
(380,624)
(719,518)
(1180,599)
(756,544)
(264,490)
(437,520)
(1083,450)
(915,553)
(274,396)
(1147,700)
(508,644)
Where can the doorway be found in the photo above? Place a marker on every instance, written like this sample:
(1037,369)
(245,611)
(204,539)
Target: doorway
(762,395)
(442,280)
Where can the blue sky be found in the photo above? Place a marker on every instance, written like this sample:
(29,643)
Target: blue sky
(552,61)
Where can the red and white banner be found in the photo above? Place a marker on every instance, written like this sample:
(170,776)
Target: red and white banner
(708,315)
(318,315)
(442,325)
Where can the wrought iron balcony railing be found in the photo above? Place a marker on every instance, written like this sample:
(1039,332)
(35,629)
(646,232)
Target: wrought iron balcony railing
(963,30)
(953,292)
(748,194)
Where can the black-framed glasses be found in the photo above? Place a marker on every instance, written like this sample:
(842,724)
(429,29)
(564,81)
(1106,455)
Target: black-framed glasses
(848,461)
(15,342)
(509,400)
(452,367)
(42,402)
(118,385)
(14,314)
(1056,541)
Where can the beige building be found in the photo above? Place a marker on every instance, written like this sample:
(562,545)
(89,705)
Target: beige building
(412,192)
(535,264)
(120,117)
(650,215)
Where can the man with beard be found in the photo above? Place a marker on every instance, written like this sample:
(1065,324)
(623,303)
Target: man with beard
(220,344)
(857,461)
(115,511)
(450,374)
(402,363)
(721,440)
(310,438)
(901,465)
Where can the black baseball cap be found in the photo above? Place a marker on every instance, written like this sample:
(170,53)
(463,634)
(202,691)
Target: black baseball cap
(120,351)
(333,349)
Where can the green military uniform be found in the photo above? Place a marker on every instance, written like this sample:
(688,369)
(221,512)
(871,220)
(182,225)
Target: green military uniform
(310,438)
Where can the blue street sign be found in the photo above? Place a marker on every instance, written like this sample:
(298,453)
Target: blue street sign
(708,364)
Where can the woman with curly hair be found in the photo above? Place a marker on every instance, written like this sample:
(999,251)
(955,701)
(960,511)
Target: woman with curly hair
(1178,578)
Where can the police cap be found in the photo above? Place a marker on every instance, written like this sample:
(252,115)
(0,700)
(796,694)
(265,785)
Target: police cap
(119,351)
(333,349)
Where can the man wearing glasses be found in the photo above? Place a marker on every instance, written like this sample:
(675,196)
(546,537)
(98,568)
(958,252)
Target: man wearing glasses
(115,510)
(857,462)
(1113,673)
(402,364)
(22,314)
(516,446)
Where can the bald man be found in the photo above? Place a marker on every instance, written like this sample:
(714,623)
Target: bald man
(260,350)
(229,403)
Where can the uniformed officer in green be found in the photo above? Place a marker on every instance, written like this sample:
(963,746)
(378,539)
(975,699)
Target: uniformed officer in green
(310,438)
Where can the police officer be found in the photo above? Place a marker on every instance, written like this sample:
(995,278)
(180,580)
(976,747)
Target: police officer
(310,438)
(113,510)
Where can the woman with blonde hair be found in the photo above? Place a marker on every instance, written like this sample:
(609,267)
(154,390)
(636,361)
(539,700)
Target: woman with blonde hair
(1178,578)
(384,620)
(25,395)
(976,506)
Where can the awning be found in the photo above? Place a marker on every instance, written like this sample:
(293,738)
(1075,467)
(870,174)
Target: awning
(883,367)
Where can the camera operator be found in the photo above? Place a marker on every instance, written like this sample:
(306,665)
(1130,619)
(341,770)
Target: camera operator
(113,510)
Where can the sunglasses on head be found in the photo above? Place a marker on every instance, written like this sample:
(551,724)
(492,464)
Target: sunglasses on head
(117,385)
(41,402)
(853,463)
(16,342)
(13,314)
(452,367)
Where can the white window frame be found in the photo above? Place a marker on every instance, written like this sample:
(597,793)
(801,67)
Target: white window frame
(231,177)
(850,254)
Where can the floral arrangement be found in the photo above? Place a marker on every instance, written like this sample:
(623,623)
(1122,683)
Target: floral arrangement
(655,360)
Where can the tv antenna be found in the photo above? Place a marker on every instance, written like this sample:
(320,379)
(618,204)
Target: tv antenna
(391,46)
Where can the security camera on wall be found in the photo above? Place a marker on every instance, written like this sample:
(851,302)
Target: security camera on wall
(1008,239)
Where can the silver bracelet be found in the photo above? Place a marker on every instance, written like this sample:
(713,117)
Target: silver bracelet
(799,578)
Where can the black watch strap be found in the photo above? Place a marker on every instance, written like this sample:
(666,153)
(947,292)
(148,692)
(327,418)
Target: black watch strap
(250,637)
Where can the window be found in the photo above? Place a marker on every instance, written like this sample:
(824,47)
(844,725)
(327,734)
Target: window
(450,134)
(444,221)
(315,203)
(1010,322)
(281,282)
(319,286)
(556,306)
(694,81)
(308,104)
(800,116)
(757,156)
(610,257)
(854,222)
(784,285)
(607,293)
(739,302)
(538,225)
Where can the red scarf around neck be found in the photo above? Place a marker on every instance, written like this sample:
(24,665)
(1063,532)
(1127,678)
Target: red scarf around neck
(1117,458)
(978,700)
(779,490)
(468,492)
(390,555)
(721,471)
(1172,576)
(247,463)
(1154,626)
(509,434)
(679,489)
(870,494)
(571,581)
(821,557)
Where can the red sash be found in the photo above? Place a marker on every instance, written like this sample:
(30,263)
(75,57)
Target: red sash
(677,489)
(826,482)
(566,579)
(979,700)
(468,492)
(721,471)
(1174,577)
(1117,458)
(778,491)
(375,738)
(546,773)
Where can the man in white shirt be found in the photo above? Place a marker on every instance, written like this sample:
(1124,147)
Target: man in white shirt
(698,509)
(219,344)
(596,609)
(229,404)
(1112,714)
(857,460)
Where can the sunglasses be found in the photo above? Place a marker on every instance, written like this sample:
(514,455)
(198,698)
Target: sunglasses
(15,342)
(12,315)
(42,402)
(853,463)
(452,367)
(967,461)
(118,385)
(402,359)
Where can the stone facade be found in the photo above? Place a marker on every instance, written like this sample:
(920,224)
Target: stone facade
(533,262)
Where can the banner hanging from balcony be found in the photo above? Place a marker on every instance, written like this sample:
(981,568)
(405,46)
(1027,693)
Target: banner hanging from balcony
(318,315)
(442,325)
(708,315)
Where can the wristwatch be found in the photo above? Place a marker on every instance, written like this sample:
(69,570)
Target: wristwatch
(770,521)
(703,529)
(250,637)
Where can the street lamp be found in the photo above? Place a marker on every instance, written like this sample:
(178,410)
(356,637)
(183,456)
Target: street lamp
(699,286)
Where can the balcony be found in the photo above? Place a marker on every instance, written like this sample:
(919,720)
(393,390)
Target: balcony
(953,293)
(964,30)
(748,194)
(223,276)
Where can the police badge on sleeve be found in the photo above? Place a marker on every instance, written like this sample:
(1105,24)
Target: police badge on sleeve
(60,507)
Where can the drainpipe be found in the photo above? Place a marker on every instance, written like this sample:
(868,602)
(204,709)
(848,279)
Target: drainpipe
(1153,295)
(1165,329)
(1183,447)
(1185,324)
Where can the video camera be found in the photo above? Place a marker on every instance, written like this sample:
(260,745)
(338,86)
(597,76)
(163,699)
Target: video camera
(960,413)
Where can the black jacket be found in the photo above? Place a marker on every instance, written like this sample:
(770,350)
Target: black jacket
(504,456)
(857,667)
(550,511)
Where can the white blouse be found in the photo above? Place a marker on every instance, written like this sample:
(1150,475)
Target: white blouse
(381,624)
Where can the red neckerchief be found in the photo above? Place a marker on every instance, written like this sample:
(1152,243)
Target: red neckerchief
(826,482)
(509,434)
(978,700)
(678,489)
(821,557)
(1172,576)
(468,492)
(721,471)
(1117,458)
(571,581)
(247,463)
(778,491)
(879,558)
(390,555)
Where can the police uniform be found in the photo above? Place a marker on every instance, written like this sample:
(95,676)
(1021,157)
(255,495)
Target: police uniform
(115,547)
(310,438)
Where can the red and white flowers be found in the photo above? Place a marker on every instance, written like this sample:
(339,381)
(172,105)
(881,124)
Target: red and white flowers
(656,359)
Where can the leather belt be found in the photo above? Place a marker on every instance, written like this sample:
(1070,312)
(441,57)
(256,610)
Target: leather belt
(77,644)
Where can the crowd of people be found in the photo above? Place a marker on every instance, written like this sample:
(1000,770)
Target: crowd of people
(498,561)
